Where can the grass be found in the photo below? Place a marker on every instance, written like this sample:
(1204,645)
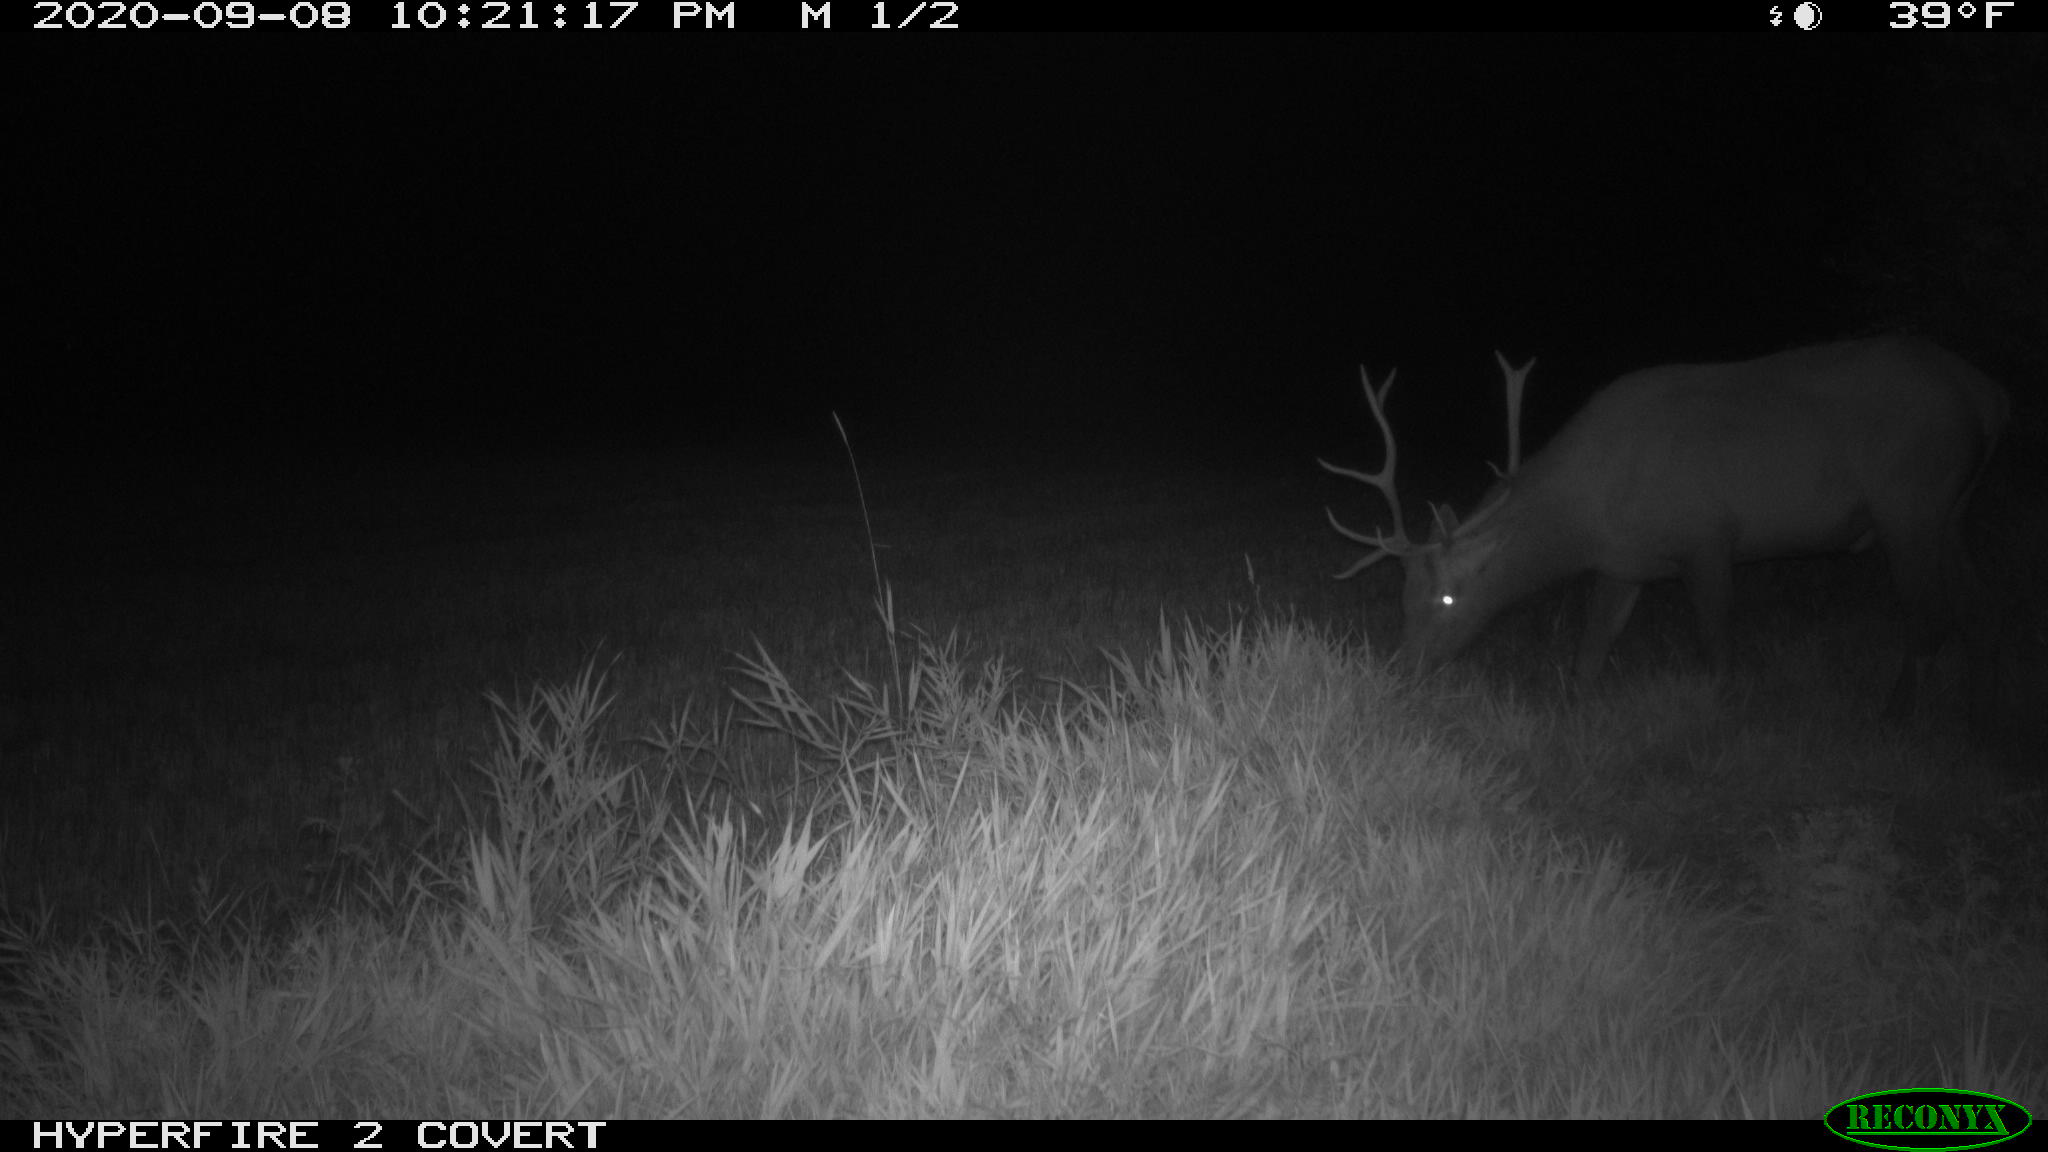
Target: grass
(360,826)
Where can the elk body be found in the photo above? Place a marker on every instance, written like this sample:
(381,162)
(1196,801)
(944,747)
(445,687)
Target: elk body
(1688,469)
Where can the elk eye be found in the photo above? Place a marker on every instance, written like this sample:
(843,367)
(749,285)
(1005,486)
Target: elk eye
(1447,599)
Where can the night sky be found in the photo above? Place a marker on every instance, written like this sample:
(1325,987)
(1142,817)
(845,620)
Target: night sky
(1054,234)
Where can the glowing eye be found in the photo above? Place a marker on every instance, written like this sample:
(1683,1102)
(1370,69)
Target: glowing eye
(1448,599)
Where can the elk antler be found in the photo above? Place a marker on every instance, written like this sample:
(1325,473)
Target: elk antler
(1400,545)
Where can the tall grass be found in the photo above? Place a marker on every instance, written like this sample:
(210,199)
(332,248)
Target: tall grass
(1245,878)
(272,849)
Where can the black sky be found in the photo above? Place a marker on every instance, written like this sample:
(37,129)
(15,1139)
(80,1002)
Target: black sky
(1051,234)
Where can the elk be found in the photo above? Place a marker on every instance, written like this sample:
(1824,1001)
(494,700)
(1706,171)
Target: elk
(1685,470)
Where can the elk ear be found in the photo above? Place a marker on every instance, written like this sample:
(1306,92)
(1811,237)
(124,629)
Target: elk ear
(1446,523)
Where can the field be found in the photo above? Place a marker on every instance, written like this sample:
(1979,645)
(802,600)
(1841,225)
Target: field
(650,788)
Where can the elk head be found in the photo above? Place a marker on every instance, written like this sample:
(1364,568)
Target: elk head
(1442,608)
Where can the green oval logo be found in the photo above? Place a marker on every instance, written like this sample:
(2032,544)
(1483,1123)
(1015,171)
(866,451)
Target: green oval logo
(1926,1119)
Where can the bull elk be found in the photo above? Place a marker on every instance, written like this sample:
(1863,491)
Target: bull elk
(1688,469)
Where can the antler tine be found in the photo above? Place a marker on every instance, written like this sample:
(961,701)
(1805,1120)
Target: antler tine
(1383,480)
(1514,379)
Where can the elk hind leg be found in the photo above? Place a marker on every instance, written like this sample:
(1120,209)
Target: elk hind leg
(1942,595)
(1710,581)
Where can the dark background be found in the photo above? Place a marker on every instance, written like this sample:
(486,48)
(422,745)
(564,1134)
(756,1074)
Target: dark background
(1056,235)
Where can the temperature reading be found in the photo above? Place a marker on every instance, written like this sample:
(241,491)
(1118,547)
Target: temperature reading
(1939,15)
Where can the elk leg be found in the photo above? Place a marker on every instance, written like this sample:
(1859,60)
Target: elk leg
(1711,582)
(1607,609)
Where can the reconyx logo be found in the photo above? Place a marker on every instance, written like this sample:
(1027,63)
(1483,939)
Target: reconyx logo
(1927,1119)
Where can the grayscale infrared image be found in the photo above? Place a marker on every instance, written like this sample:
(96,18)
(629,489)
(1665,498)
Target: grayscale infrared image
(615,562)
